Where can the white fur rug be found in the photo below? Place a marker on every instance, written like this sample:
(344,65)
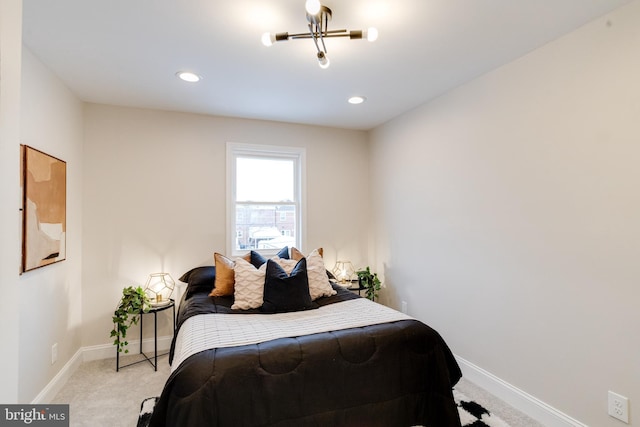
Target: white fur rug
(474,415)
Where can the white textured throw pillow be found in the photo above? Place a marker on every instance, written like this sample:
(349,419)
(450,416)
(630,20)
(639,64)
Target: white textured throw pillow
(249,286)
(287,264)
(319,285)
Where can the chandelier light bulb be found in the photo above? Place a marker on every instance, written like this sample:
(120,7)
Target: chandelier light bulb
(372,34)
(323,60)
(313,7)
(268,39)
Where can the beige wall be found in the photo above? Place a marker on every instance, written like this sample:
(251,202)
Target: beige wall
(50,297)
(509,218)
(10,52)
(155,197)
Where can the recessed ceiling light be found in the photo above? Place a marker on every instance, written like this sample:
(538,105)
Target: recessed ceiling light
(188,76)
(357,99)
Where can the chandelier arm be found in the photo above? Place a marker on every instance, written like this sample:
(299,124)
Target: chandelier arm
(328,36)
(323,30)
(300,36)
(326,22)
(324,47)
(331,33)
(314,35)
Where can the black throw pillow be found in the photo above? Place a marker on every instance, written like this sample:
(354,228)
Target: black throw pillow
(199,279)
(257,260)
(283,292)
(283,253)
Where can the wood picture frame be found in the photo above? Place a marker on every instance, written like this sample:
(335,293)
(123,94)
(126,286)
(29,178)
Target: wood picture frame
(44,208)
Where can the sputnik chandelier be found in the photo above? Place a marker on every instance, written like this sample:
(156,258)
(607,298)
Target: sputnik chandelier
(319,16)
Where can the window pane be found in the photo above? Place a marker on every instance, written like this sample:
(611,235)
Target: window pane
(265,226)
(264,180)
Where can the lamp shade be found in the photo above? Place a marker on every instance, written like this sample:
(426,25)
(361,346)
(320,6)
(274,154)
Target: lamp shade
(344,271)
(159,288)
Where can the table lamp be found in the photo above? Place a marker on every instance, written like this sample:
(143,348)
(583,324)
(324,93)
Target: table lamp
(344,272)
(159,288)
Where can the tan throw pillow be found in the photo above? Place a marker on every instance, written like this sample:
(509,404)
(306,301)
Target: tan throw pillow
(249,285)
(319,285)
(297,255)
(225,277)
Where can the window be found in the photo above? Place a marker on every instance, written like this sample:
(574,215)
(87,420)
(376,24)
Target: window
(264,186)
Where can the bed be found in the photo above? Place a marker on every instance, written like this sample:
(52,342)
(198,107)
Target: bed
(346,361)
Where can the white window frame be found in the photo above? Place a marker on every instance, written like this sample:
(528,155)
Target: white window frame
(298,155)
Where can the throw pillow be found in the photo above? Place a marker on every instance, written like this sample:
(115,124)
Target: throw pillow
(287,264)
(257,260)
(286,292)
(249,285)
(283,253)
(225,277)
(296,254)
(319,285)
(199,279)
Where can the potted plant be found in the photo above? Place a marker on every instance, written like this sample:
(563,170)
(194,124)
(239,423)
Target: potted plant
(370,282)
(133,302)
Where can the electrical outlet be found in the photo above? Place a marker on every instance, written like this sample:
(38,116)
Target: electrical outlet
(404,307)
(619,407)
(54,353)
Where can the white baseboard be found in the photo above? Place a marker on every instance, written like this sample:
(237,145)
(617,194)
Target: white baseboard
(61,378)
(522,401)
(96,352)
(105,351)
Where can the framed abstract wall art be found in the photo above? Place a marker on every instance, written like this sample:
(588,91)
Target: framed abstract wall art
(44,226)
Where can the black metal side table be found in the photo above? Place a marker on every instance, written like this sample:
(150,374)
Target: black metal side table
(355,286)
(153,360)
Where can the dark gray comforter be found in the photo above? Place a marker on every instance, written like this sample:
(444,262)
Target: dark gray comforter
(393,374)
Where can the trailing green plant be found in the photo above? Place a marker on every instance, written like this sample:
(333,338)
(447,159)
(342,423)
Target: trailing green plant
(133,302)
(370,282)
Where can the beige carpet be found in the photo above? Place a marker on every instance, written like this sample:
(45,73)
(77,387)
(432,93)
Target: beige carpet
(101,397)
(98,396)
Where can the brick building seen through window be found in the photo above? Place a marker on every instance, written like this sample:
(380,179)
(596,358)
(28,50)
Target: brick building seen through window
(265,226)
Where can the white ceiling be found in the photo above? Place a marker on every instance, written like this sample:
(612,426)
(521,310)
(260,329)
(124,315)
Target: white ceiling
(126,52)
